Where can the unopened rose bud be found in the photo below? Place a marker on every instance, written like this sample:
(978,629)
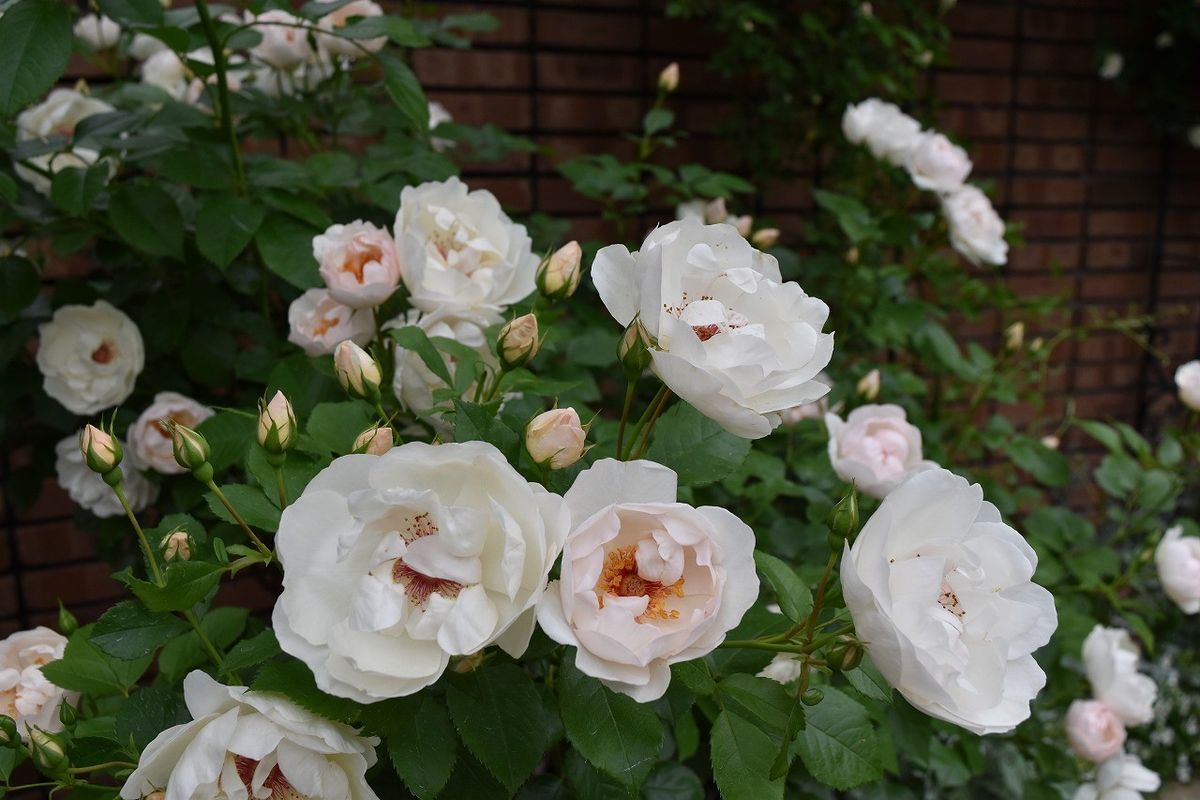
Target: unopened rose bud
(812,696)
(744,224)
(67,624)
(47,751)
(1037,344)
(765,238)
(843,519)
(191,449)
(846,654)
(374,441)
(67,714)
(558,276)
(668,79)
(556,438)
(357,371)
(852,255)
(176,545)
(276,425)
(518,342)
(101,450)
(1051,442)
(466,664)
(716,211)
(1014,336)
(633,351)
(868,385)
(157,794)
(9,737)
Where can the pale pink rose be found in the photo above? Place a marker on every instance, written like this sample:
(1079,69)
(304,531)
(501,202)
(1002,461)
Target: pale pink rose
(876,447)
(149,438)
(556,438)
(937,164)
(25,694)
(320,323)
(1178,560)
(358,263)
(646,581)
(1094,732)
(284,42)
(338,18)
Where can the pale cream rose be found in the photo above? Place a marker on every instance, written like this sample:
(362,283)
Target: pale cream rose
(1187,381)
(1178,560)
(89,491)
(937,164)
(976,230)
(25,694)
(339,18)
(1111,661)
(876,447)
(90,357)
(149,437)
(1094,732)
(58,114)
(358,263)
(284,44)
(319,323)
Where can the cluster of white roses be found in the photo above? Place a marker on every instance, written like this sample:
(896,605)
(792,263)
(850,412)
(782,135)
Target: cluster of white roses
(936,164)
(1096,728)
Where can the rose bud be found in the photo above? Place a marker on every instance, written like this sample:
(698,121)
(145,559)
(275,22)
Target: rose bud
(744,224)
(518,342)
(716,211)
(176,545)
(276,425)
(357,371)
(47,751)
(1014,336)
(633,351)
(556,438)
(558,276)
(191,449)
(1051,442)
(101,451)
(846,654)
(765,239)
(8,732)
(374,441)
(868,385)
(67,623)
(67,714)
(668,79)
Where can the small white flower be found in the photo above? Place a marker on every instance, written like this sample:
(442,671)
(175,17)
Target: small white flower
(876,447)
(100,32)
(937,164)
(1094,732)
(1187,381)
(976,230)
(284,44)
(244,744)
(58,114)
(729,335)
(1112,65)
(319,323)
(89,491)
(646,581)
(338,18)
(941,591)
(25,694)
(1178,560)
(90,357)
(167,71)
(149,438)
(1121,777)
(1111,659)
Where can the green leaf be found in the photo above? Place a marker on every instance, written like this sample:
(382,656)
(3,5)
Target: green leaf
(225,225)
(695,676)
(698,449)
(335,426)
(615,733)
(187,583)
(74,189)
(420,740)
(839,745)
(251,652)
(499,716)
(479,422)
(795,600)
(19,284)
(129,631)
(294,680)
(404,88)
(760,700)
(673,782)
(133,13)
(852,216)
(229,435)
(222,626)
(413,338)
(148,712)
(1102,433)
(869,681)
(657,119)
(741,760)
(398,29)
(285,245)
(147,218)
(250,502)
(935,341)
(35,45)
(86,668)
(1050,467)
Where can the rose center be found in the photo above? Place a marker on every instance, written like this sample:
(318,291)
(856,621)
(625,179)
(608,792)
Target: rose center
(948,600)
(105,353)
(358,258)
(620,578)
(417,586)
(275,783)
(324,325)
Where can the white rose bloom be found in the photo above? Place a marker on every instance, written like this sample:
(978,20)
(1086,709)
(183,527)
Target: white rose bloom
(940,589)
(319,323)
(876,447)
(58,114)
(150,440)
(338,18)
(730,337)
(460,251)
(90,357)
(25,694)
(887,131)
(1187,381)
(1178,560)
(976,230)
(937,164)
(437,115)
(646,581)
(413,382)
(1094,732)
(1121,777)
(89,491)
(1110,659)
(167,71)
(244,744)
(100,32)
(358,263)
(394,563)
(284,46)
(142,46)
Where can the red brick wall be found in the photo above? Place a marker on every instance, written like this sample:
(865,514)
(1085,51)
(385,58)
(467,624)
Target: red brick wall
(1110,213)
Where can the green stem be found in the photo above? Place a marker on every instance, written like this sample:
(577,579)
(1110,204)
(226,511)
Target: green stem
(757,644)
(226,111)
(281,488)
(97,767)
(147,551)
(213,652)
(625,414)
(658,410)
(262,548)
(641,423)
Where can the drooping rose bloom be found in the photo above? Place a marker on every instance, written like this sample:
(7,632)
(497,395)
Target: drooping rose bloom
(976,230)
(728,334)
(876,447)
(244,744)
(937,164)
(90,357)
(646,581)
(149,437)
(1178,560)
(1111,659)
(394,563)
(940,590)
(319,323)
(25,694)
(358,263)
